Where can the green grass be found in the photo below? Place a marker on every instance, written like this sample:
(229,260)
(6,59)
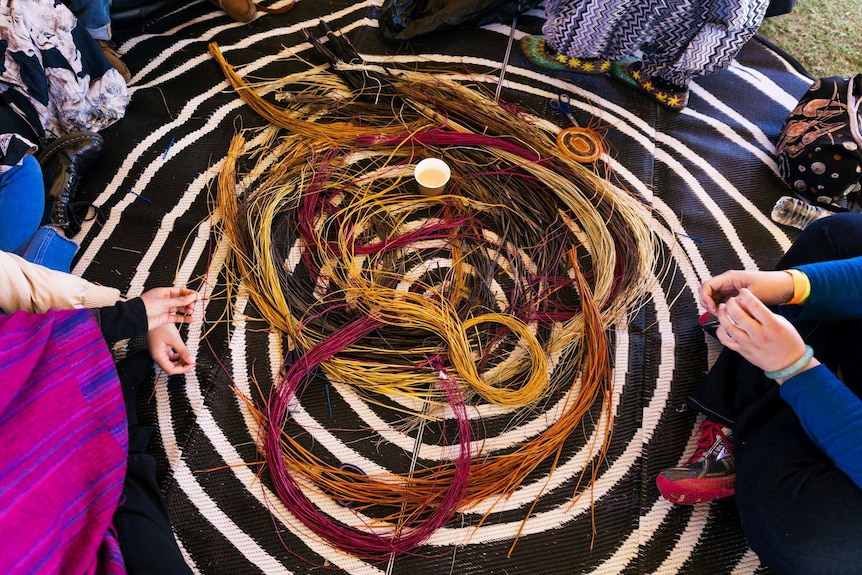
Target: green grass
(824,35)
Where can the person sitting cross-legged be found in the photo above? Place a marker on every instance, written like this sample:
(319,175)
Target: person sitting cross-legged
(95,16)
(77,487)
(39,214)
(783,404)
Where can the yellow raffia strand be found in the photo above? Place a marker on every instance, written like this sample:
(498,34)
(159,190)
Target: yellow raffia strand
(335,134)
(613,227)
(394,308)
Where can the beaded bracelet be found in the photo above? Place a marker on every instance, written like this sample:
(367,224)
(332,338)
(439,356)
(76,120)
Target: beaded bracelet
(794,367)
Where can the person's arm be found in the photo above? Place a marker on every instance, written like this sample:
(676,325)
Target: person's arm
(770,287)
(836,291)
(831,415)
(34,288)
(123,320)
(151,310)
(155,313)
(169,350)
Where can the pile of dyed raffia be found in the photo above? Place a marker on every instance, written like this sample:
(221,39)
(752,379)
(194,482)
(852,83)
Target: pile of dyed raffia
(448,316)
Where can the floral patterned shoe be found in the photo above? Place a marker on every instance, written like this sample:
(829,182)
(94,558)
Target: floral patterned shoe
(670,97)
(538,52)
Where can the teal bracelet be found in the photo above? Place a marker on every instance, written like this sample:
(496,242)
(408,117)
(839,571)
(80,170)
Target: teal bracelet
(794,367)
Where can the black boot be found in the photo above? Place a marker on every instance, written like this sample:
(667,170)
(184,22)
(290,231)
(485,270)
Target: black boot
(64,162)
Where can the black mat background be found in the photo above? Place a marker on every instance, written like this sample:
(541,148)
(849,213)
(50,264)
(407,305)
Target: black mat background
(177,128)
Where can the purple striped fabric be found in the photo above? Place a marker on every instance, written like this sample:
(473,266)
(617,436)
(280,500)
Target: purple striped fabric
(64,447)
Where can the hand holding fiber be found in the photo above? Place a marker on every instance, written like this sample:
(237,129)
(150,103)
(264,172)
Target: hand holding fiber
(168,305)
(770,287)
(767,340)
(168,349)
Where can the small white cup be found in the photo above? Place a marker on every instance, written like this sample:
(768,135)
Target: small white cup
(432,175)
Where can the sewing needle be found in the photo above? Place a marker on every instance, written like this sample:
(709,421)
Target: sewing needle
(506,58)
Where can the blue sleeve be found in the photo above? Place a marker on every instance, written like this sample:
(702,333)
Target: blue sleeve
(836,291)
(831,415)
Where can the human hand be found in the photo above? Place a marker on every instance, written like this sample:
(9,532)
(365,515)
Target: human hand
(168,349)
(770,287)
(168,305)
(765,339)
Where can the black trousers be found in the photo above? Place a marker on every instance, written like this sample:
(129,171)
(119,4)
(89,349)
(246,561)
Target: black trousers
(142,521)
(800,513)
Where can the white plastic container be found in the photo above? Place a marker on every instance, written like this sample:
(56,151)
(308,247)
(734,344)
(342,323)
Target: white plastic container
(432,175)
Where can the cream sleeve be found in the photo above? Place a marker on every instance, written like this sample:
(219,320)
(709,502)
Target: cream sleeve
(35,288)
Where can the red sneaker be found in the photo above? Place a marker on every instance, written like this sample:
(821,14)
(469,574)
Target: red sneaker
(708,475)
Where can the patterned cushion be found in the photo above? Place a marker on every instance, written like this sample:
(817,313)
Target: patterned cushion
(818,154)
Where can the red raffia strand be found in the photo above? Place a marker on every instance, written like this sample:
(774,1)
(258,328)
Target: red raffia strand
(408,534)
(490,478)
(440,229)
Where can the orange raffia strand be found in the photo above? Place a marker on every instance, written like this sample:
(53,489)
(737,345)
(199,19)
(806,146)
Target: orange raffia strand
(491,477)
(335,133)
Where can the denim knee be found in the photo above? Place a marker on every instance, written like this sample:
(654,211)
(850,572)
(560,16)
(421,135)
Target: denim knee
(94,15)
(50,248)
(22,203)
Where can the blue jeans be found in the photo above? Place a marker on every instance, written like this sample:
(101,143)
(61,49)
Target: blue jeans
(95,16)
(22,205)
(800,513)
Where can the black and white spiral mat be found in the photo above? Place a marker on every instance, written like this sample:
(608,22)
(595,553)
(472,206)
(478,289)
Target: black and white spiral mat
(709,175)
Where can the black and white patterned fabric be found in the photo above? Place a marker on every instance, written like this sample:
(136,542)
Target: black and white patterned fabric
(53,73)
(681,40)
(709,174)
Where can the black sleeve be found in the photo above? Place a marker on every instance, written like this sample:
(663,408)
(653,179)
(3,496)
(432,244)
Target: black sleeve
(779,7)
(122,320)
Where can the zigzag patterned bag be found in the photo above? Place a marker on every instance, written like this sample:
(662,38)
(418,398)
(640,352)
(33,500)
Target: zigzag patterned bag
(820,146)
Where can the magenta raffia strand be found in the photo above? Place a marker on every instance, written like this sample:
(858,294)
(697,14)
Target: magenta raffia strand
(365,544)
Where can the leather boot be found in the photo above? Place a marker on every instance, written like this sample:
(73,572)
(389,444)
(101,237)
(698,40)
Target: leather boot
(113,57)
(239,10)
(64,162)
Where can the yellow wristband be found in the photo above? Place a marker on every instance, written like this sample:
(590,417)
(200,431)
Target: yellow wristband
(801,287)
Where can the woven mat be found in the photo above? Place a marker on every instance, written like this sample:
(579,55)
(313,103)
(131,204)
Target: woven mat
(709,174)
